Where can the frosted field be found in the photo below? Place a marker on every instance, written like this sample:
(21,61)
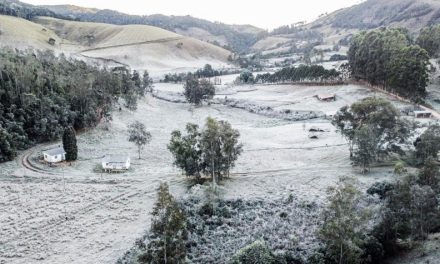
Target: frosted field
(76,214)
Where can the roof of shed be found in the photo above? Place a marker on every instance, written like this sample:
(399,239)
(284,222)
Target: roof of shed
(116,158)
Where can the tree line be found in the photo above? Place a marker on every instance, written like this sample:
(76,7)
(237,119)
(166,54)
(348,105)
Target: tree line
(42,94)
(206,72)
(26,11)
(388,58)
(302,73)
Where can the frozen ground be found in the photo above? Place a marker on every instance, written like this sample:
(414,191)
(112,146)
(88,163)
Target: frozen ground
(74,214)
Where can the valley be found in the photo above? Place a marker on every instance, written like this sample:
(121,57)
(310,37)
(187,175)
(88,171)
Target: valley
(182,140)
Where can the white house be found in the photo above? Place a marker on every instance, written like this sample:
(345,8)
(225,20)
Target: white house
(54,155)
(117,162)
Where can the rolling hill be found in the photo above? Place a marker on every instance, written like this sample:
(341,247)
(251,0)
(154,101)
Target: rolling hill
(138,46)
(236,37)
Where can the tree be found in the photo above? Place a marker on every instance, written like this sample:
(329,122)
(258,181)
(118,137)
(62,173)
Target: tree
(69,144)
(187,151)
(429,175)
(424,206)
(246,77)
(212,151)
(365,152)
(139,136)
(428,144)
(147,83)
(7,151)
(198,90)
(368,118)
(343,226)
(220,148)
(168,232)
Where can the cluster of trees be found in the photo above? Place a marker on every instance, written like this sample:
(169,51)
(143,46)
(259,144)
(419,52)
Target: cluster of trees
(197,90)
(245,77)
(429,39)
(211,151)
(338,57)
(386,57)
(374,130)
(302,73)
(408,211)
(41,94)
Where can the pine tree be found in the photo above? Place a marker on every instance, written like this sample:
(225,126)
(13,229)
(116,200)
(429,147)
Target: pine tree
(69,144)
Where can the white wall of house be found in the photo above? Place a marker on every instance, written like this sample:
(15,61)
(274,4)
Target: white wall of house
(55,158)
(116,166)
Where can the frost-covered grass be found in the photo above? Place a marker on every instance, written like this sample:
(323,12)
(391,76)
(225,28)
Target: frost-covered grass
(106,213)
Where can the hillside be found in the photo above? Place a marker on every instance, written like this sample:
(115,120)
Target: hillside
(138,46)
(25,34)
(410,14)
(236,37)
(337,27)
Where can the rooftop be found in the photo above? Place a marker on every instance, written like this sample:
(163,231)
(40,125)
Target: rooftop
(116,158)
(55,151)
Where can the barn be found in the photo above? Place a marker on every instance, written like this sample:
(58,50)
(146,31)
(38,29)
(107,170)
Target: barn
(54,155)
(115,163)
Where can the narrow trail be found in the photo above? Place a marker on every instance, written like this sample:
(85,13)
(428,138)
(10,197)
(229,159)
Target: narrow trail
(164,40)
(28,165)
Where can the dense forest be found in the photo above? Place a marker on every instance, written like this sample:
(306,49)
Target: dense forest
(41,94)
(299,74)
(387,58)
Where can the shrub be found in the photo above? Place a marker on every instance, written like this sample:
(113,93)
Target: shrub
(255,253)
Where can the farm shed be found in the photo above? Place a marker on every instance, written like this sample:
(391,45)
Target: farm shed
(422,114)
(326,97)
(118,162)
(54,155)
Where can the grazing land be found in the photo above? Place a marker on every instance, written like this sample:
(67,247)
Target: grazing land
(76,213)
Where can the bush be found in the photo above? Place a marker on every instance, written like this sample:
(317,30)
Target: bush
(255,253)
(380,188)
(399,168)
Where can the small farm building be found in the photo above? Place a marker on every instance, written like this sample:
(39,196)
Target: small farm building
(326,97)
(119,162)
(422,114)
(54,155)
